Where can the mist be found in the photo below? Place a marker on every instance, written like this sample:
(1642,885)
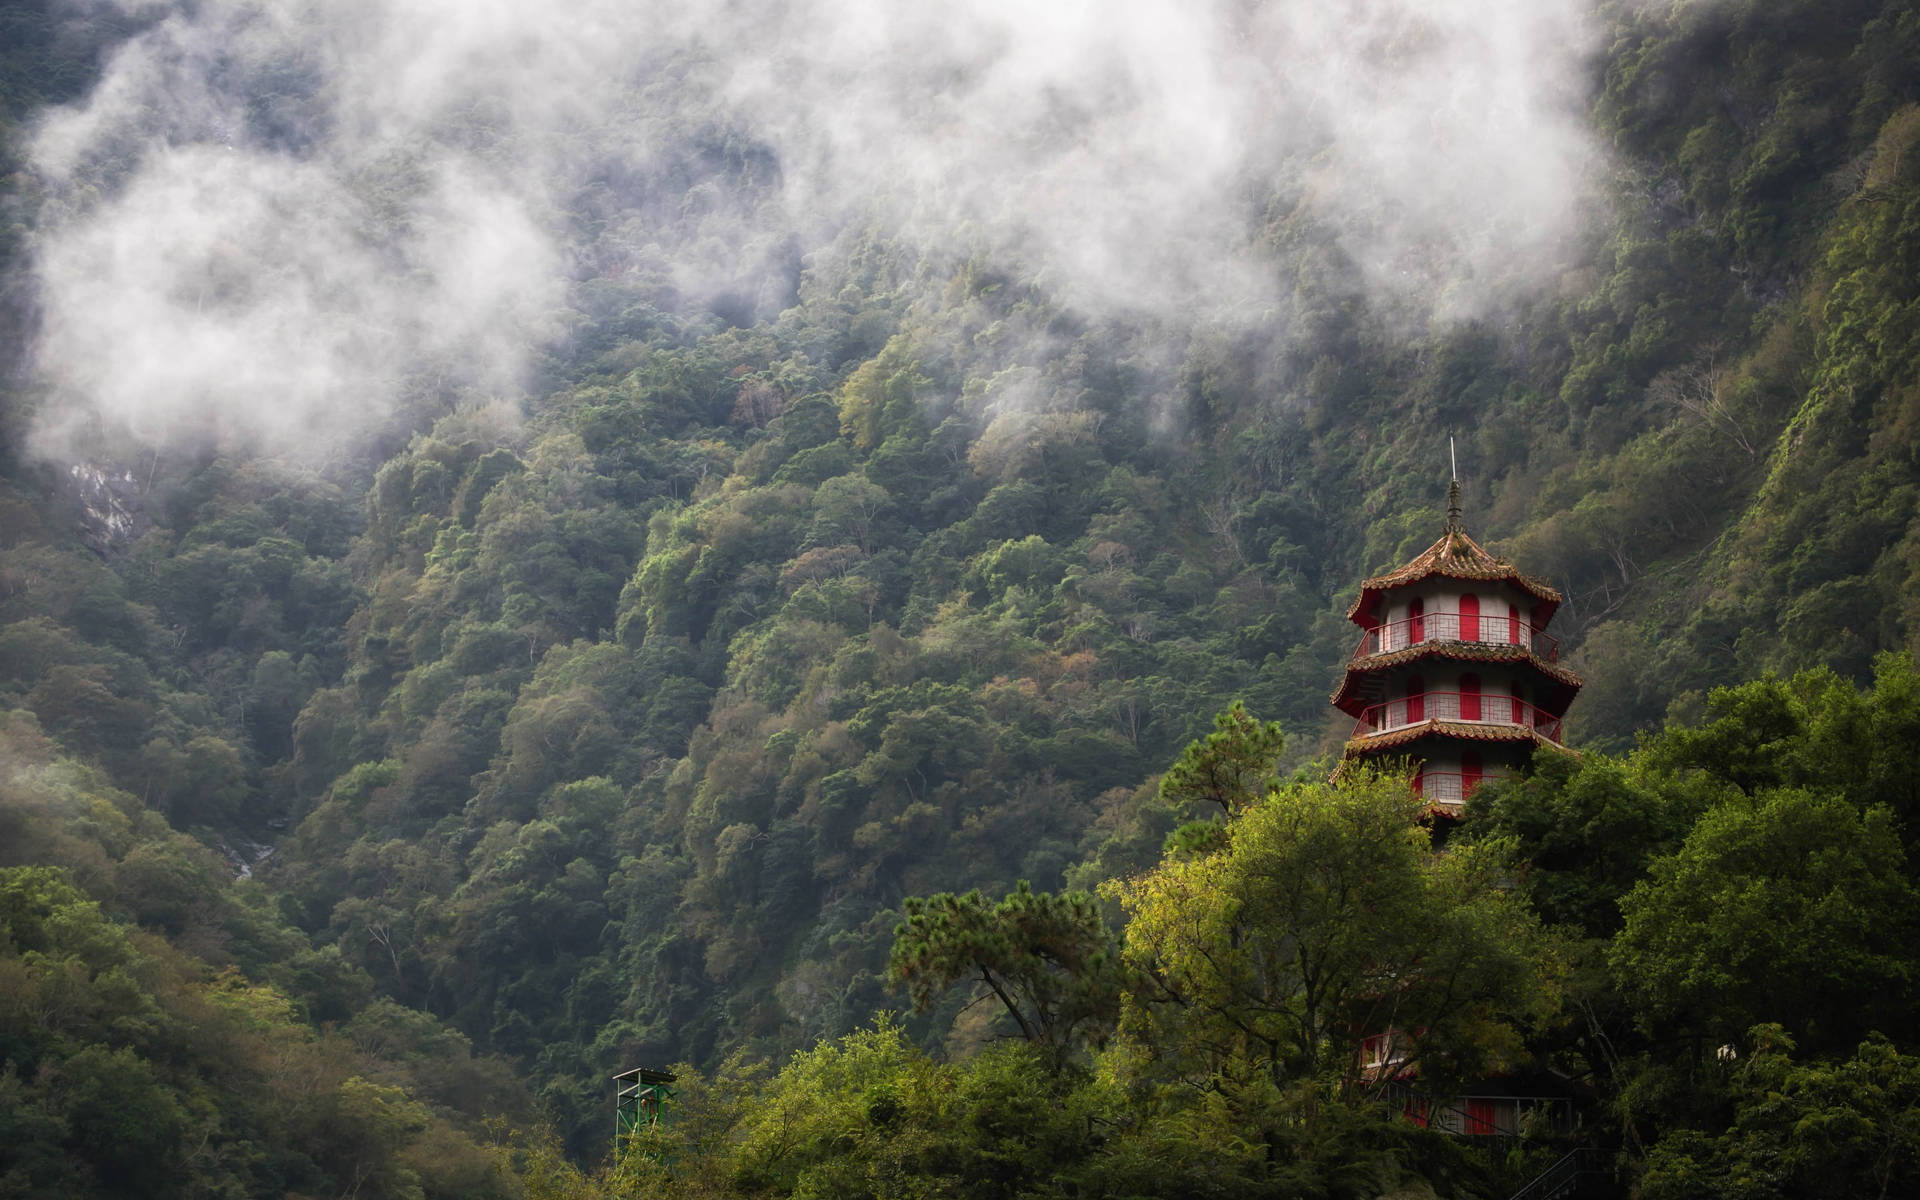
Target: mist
(271,223)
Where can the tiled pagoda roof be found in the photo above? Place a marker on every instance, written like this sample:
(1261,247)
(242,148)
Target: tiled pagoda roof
(1470,731)
(1454,556)
(1346,697)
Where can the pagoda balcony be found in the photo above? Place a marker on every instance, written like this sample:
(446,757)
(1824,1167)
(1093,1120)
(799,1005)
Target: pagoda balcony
(1447,789)
(1452,627)
(1463,708)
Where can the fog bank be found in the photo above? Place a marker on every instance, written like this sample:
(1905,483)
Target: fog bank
(271,222)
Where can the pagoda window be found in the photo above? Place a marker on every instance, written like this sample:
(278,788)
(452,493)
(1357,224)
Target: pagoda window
(1469,697)
(1417,621)
(1471,772)
(1469,618)
(1416,699)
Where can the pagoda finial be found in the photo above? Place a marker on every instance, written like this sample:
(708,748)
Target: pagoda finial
(1453,492)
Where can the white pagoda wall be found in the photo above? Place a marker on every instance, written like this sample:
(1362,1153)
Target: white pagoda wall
(1443,596)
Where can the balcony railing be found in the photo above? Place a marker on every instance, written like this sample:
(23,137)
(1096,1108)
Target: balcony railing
(1453,627)
(1482,1115)
(1472,708)
(1447,787)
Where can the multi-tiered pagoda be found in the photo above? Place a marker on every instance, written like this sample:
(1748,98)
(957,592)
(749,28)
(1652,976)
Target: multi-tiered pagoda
(1455,669)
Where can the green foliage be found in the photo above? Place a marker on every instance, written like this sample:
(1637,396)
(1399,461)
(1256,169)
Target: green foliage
(1825,1128)
(1325,919)
(129,1069)
(869,1114)
(1798,909)
(1587,828)
(1234,766)
(1047,960)
(1815,730)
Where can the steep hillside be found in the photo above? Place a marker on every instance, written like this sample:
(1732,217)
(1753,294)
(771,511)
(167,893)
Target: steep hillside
(615,725)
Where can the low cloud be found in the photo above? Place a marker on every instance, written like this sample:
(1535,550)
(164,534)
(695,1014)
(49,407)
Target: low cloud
(271,222)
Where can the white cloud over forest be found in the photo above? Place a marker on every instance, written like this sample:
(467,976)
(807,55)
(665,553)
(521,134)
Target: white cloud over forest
(271,218)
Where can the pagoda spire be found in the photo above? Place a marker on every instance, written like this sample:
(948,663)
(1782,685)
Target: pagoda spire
(1453,492)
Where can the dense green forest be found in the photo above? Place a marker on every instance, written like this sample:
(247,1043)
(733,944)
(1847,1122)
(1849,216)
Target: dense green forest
(699,701)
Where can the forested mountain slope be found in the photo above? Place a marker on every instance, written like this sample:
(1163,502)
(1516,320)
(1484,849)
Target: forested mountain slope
(615,724)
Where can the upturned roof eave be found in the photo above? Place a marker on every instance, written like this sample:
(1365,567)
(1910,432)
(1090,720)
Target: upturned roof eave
(1456,651)
(1462,730)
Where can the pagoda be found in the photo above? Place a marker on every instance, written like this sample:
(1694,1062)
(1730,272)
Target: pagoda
(1455,669)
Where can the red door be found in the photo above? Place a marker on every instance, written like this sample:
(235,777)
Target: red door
(1480,1117)
(1469,697)
(1514,628)
(1416,699)
(1469,618)
(1417,622)
(1519,704)
(1470,772)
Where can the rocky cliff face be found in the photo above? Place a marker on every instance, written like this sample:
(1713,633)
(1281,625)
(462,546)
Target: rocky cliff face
(110,505)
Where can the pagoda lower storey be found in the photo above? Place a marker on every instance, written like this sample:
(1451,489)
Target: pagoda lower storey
(1451,759)
(1456,710)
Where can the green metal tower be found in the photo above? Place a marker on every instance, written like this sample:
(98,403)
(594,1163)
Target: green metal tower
(640,1098)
